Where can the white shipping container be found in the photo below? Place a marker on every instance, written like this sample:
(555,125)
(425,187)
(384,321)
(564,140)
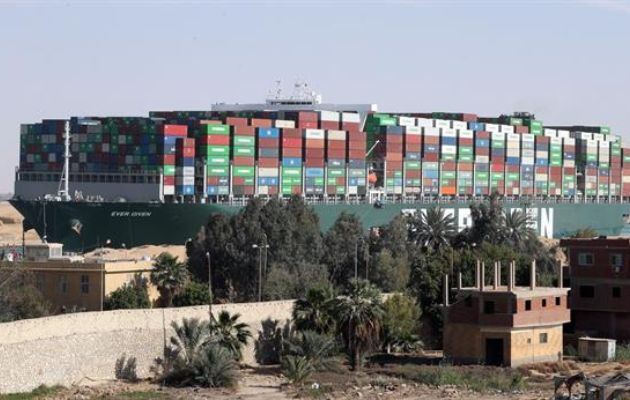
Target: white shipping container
(430,131)
(168,190)
(513,145)
(448,132)
(281,123)
(449,149)
(334,134)
(506,129)
(185,171)
(551,132)
(459,125)
(268,172)
(105,147)
(556,141)
(564,134)
(625,179)
(527,160)
(598,136)
(185,180)
(513,137)
(569,163)
(527,137)
(441,123)
(604,144)
(583,135)
(482,159)
(406,121)
(513,152)
(466,134)
(424,122)
(122,139)
(569,141)
(350,117)
(498,136)
(542,154)
(329,116)
(314,133)
(413,130)
(492,128)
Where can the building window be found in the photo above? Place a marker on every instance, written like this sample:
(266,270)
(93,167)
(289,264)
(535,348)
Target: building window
(558,301)
(63,284)
(488,307)
(616,260)
(529,340)
(528,305)
(85,284)
(543,338)
(587,291)
(544,302)
(616,292)
(585,259)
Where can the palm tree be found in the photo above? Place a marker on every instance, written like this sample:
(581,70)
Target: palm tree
(516,230)
(359,316)
(230,334)
(433,229)
(320,349)
(190,337)
(169,276)
(313,312)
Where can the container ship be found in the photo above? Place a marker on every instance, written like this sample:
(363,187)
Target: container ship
(129,181)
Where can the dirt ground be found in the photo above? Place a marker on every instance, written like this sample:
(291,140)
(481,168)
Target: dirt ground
(375,382)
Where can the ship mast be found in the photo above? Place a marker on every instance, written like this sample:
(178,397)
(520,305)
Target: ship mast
(65,181)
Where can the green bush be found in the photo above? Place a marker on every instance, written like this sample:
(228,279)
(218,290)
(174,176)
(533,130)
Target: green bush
(129,296)
(297,369)
(622,353)
(401,324)
(193,294)
(215,367)
(320,349)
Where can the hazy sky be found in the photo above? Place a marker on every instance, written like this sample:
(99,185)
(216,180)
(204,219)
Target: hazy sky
(567,61)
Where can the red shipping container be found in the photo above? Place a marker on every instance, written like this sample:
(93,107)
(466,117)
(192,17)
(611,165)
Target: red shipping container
(210,122)
(314,153)
(516,168)
(521,129)
(398,139)
(431,157)
(393,148)
(356,154)
(307,116)
(173,130)
(217,140)
(272,190)
(244,130)
(494,167)
(292,133)
(449,166)
(337,144)
(465,167)
(328,125)
(350,126)
(555,171)
(466,141)
(413,139)
(394,157)
(482,151)
(292,152)
(236,121)
(413,174)
(356,136)
(268,142)
(238,180)
(331,189)
(291,143)
(413,148)
(432,140)
(314,162)
(169,180)
(314,143)
(336,154)
(268,162)
(482,135)
(247,161)
(261,123)
(356,145)
(307,125)
(186,152)
(168,159)
(341,181)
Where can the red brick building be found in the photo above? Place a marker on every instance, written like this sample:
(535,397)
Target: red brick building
(599,272)
(505,325)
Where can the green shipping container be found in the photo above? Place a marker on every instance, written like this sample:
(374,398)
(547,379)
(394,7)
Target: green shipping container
(412,165)
(241,151)
(210,129)
(169,170)
(218,160)
(242,171)
(292,171)
(218,150)
(465,150)
(244,141)
(336,172)
(215,170)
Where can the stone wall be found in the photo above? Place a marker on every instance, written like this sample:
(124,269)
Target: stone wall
(78,348)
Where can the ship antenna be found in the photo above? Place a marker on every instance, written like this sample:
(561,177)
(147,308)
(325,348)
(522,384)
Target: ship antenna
(65,181)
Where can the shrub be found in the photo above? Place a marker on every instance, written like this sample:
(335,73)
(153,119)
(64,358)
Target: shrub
(129,296)
(401,324)
(126,369)
(215,367)
(193,294)
(319,349)
(268,347)
(622,353)
(297,369)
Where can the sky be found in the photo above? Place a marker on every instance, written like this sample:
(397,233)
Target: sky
(566,61)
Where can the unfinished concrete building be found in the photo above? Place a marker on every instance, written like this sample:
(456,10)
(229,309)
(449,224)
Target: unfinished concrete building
(504,324)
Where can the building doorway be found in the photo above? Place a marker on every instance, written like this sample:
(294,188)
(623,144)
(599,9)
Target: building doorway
(494,351)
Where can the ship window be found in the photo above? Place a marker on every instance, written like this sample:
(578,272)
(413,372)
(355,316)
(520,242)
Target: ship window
(585,259)
(616,292)
(63,284)
(488,307)
(528,305)
(125,179)
(558,301)
(587,291)
(542,338)
(616,260)
(85,284)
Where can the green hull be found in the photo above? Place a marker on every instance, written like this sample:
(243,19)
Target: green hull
(85,226)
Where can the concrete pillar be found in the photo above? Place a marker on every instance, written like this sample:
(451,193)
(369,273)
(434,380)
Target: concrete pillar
(494,275)
(477,272)
(459,280)
(499,274)
(446,290)
(513,273)
(560,275)
(532,276)
(482,277)
(510,274)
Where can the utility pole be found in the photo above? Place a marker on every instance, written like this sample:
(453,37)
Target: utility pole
(260,247)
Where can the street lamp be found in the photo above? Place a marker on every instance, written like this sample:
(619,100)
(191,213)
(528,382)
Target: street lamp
(260,247)
(209,285)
